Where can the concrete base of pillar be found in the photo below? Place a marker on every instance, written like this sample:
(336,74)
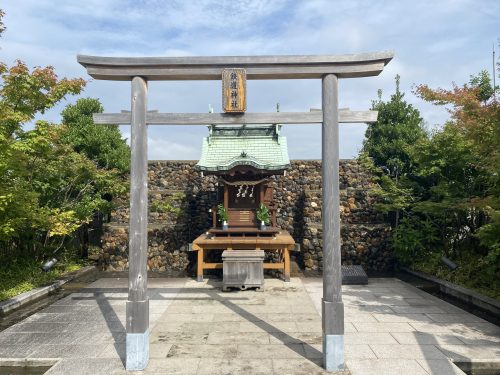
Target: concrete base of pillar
(137,351)
(333,353)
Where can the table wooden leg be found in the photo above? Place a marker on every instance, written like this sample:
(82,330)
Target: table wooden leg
(199,273)
(287,264)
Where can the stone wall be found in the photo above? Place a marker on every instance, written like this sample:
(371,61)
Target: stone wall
(180,198)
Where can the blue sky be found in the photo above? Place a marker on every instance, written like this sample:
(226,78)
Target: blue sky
(435,42)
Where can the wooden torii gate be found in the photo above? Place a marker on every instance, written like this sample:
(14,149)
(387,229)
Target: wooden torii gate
(140,70)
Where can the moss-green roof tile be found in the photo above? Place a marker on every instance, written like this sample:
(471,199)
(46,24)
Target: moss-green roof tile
(261,147)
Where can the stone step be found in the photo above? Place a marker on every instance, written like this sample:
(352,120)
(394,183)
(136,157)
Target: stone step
(354,275)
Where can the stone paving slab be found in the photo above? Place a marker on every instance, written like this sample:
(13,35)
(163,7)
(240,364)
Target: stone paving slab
(84,366)
(391,328)
(466,352)
(399,351)
(422,338)
(410,331)
(439,366)
(216,366)
(85,331)
(385,367)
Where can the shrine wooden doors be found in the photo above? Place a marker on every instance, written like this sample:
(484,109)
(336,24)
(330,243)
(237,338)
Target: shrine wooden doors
(242,202)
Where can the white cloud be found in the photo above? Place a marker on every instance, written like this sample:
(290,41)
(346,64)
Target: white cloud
(160,149)
(436,42)
(163,148)
(444,44)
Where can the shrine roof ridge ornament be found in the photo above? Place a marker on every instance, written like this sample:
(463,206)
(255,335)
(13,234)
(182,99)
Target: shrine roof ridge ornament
(257,67)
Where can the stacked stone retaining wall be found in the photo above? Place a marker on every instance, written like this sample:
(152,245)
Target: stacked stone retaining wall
(180,199)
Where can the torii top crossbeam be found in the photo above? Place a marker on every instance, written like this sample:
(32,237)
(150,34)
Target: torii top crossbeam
(257,67)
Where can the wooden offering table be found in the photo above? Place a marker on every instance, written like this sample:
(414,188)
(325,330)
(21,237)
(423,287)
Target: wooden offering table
(245,239)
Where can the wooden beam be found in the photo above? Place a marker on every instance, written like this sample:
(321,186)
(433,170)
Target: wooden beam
(315,117)
(273,266)
(286,260)
(156,111)
(332,305)
(138,244)
(199,266)
(137,306)
(234,60)
(189,74)
(257,67)
(212,266)
(226,198)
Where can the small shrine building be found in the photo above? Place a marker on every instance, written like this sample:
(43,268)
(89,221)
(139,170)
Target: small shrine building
(244,157)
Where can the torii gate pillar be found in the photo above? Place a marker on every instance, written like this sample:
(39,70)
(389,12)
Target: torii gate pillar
(137,302)
(332,305)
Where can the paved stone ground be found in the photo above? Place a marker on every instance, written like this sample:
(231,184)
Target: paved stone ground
(395,328)
(391,328)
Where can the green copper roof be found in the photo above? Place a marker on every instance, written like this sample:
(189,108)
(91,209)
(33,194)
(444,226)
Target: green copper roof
(261,147)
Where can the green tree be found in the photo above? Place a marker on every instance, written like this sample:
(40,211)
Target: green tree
(47,189)
(446,166)
(101,143)
(453,178)
(67,186)
(449,188)
(457,169)
(389,140)
(23,94)
(482,84)
(391,195)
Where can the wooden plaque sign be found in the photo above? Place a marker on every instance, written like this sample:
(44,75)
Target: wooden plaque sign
(234,87)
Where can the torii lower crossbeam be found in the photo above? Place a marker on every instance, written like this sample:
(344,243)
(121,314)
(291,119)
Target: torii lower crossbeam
(313,117)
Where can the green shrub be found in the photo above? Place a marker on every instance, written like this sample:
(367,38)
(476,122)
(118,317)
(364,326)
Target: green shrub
(222,212)
(414,239)
(19,275)
(263,214)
